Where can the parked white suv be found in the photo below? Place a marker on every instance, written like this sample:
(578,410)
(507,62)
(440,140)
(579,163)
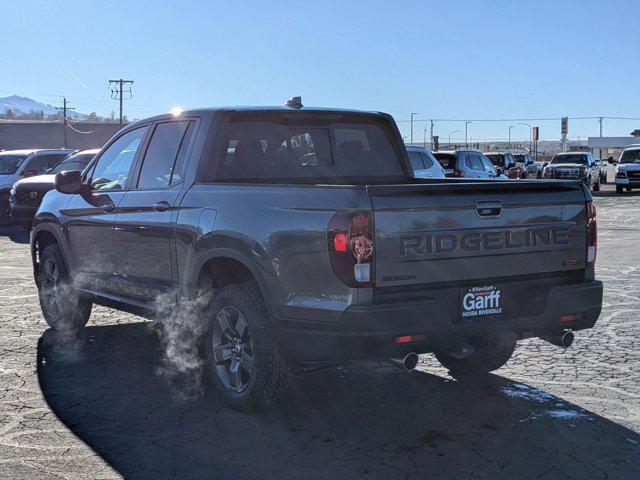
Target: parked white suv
(628,171)
(424,164)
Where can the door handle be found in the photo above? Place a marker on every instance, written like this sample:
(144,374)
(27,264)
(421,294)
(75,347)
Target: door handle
(108,208)
(161,206)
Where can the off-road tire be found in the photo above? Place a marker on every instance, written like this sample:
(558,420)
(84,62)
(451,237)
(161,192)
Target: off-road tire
(272,376)
(489,354)
(72,310)
(619,189)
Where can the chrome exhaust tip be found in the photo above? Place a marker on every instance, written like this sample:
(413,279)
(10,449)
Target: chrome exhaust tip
(410,361)
(565,340)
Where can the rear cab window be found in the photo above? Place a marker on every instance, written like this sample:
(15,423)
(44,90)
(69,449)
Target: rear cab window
(308,147)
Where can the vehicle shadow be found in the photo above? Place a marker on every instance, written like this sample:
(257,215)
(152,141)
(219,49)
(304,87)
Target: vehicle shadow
(15,233)
(364,420)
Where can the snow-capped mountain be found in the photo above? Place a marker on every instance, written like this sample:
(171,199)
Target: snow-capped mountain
(25,105)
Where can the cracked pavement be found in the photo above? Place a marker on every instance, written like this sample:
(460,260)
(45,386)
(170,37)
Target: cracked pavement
(99,407)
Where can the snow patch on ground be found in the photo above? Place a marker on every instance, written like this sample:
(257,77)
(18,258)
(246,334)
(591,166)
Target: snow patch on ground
(558,409)
(517,390)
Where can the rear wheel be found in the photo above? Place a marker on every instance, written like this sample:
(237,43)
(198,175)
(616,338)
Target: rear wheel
(64,307)
(478,355)
(245,361)
(596,186)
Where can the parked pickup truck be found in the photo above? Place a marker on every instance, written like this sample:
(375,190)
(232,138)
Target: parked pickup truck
(307,238)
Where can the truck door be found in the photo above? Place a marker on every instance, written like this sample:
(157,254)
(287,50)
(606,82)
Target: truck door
(90,217)
(145,223)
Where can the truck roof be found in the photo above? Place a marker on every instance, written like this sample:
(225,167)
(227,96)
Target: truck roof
(208,111)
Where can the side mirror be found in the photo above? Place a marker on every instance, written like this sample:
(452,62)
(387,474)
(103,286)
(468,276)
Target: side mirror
(68,182)
(545,164)
(612,161)
(30,173)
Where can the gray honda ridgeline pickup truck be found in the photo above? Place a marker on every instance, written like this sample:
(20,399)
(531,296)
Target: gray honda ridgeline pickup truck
(309,240)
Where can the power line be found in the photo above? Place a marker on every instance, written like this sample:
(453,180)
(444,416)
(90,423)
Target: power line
(118,90)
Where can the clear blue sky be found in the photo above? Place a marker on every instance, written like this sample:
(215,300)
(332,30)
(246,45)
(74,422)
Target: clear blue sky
(449,59)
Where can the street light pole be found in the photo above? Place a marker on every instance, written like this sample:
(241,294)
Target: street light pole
(466,131)
(530,134)
(510,127)
(451,133)
(424,140)
(412,114)
(431,138)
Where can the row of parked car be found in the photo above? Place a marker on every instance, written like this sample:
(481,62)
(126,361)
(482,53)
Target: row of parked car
(27,175)
(504,165)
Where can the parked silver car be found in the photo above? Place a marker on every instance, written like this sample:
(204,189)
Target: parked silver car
(424,164)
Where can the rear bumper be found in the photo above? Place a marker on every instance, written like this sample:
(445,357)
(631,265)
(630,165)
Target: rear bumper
(370,331)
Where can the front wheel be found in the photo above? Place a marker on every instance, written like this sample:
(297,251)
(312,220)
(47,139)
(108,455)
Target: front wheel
(478,355)
(596,186)
(63,306)
(619,189)
(244,358)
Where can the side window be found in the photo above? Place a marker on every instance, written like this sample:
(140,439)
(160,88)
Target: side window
(476,164)
(162,154)
(488,166)
(416,160)
(37,163)
(181,162)
(428,163)
(114,165)
(467,162)
(53,158)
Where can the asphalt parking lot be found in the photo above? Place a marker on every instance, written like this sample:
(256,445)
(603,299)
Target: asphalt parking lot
(101,406)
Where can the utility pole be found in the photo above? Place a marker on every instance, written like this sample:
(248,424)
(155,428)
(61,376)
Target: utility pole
(64,118)
(118,90)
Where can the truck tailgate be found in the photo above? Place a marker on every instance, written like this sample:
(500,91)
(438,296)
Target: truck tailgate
(460,231)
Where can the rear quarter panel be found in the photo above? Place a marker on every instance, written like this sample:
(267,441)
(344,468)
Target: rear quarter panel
(281,230)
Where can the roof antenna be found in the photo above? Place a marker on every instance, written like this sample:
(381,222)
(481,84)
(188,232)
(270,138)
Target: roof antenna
(294,102)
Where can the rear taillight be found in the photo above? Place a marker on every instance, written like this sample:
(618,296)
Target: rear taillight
(592,234)
(351,249)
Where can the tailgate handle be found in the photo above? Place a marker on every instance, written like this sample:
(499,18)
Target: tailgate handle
(489,209)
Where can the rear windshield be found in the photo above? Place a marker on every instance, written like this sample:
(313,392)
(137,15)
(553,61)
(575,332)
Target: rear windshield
(317,148)
(577,158)
(447,160)
(9,163)
(630,156)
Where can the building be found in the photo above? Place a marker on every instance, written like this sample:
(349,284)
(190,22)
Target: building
(606,147)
